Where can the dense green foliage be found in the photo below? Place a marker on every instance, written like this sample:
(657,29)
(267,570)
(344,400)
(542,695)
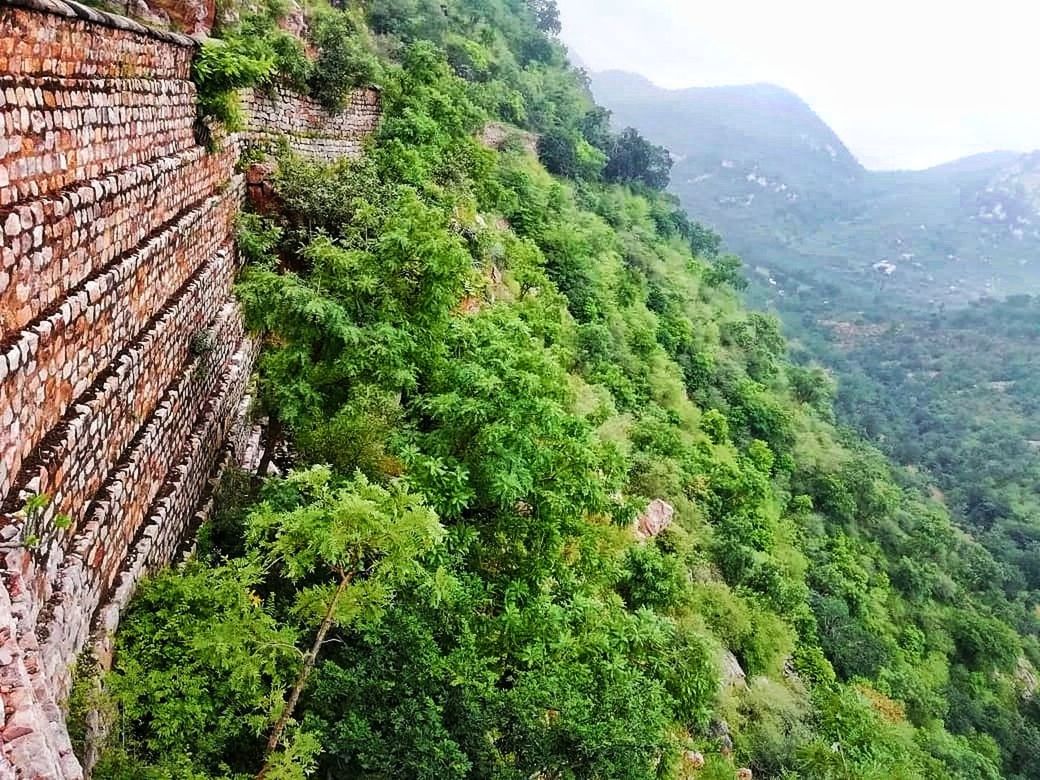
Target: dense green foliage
(955,394)
(485,374)
(257,52)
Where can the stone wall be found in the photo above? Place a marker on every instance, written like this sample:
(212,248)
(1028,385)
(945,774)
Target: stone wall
(116,263)
(277,113)
(123,358)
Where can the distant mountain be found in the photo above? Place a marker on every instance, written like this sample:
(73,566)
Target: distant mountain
(760,166)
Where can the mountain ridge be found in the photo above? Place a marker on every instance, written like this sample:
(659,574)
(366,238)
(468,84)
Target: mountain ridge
(756,163)
(637,80)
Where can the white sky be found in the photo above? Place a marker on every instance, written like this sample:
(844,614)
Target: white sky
(905,83)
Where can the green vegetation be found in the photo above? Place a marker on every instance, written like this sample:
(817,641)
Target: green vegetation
(257,52)
(486,374)
(955,394)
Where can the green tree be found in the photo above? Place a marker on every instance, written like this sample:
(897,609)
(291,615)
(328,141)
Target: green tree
(634,160)
(348,546)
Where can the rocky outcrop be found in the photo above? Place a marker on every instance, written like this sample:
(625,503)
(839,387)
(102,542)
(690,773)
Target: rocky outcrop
(191,17)
(693,760)
(499,135)
(733,674)
(655,519)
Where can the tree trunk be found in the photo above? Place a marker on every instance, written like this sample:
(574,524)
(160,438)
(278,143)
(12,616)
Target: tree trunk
(272,434)
(301,679)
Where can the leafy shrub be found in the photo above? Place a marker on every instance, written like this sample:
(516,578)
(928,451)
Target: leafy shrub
(345,59)
(408,19)
(634,160)
(725,270)
(652,580)
(567,154)
(291,65)
(223,66)
(258,239)
(547,15)
(199,669)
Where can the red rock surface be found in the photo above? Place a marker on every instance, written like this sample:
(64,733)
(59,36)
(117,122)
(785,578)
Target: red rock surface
(657,517)
(191,17)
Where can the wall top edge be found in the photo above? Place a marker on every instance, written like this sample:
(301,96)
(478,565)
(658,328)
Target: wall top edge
(70,9)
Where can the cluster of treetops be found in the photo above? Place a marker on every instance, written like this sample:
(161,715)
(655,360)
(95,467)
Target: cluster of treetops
(480,367)
(951,393)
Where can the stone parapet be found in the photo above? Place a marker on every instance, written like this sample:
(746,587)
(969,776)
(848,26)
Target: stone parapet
(71,40)
(58,132)
(72,462)
(56,360)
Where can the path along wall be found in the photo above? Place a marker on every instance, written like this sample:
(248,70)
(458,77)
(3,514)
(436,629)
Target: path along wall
(123,360)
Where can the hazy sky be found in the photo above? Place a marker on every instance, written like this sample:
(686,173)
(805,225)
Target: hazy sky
(905,83)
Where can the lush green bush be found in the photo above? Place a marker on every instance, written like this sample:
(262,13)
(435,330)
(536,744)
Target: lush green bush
(201,668)
(634,160)
(225,65)
(345,58)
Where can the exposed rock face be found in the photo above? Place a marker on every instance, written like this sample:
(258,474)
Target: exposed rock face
(191,17)
(1026,678)
(693,759)
(719,731)
(732,673)
(295,21)
(497,135)
(260,187)
(657,517)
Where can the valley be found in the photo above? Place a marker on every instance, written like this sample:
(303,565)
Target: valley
(912,287)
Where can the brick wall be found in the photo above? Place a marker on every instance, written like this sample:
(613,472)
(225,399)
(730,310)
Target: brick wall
(115,263)
(123,358)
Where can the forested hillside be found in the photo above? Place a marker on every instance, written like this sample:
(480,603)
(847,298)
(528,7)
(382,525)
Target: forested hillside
(552,502)
(757,164)
(956,395)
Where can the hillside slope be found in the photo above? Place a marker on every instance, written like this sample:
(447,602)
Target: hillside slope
(758,165)
(954,395)
(553,502)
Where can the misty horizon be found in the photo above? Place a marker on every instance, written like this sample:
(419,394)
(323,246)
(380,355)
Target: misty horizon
(905,86)
(677,90)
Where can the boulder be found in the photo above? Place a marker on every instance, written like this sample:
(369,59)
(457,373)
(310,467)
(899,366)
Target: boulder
(719,730)
(497,135)
(657,517)
(693,759)
(733,674)
(295,21)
